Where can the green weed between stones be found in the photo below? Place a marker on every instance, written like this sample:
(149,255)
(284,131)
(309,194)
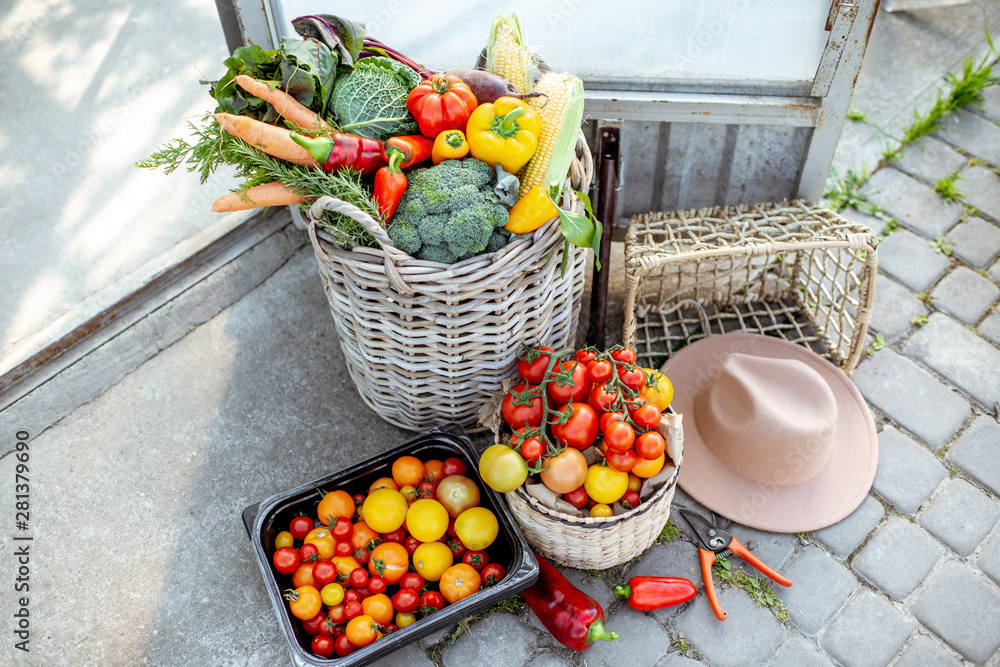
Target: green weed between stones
(669,533)
(920,320)
(941,244)
(947,189)
(758,587)
(857,115)
(512,605)
(877,345)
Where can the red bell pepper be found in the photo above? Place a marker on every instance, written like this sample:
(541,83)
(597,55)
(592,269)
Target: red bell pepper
(336,150)
(390,184)
(645,593)
(573,617)
(416,148)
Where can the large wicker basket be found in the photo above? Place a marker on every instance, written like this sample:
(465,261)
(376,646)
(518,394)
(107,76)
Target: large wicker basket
(429,343)
(793,270)
(597,543)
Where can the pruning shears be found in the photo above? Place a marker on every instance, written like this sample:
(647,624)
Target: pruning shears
(717,543)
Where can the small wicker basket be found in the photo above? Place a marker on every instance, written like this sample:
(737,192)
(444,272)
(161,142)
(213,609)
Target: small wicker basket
(597,543)
(793,270)
(429,343)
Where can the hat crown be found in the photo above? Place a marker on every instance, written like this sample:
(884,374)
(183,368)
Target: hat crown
(772,420)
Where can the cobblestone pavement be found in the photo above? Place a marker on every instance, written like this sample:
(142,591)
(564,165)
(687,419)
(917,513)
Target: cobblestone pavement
(912,578)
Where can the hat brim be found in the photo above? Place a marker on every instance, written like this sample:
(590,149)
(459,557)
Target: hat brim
(822,501)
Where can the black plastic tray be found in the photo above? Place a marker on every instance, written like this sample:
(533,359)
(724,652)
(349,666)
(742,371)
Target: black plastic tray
(264,520)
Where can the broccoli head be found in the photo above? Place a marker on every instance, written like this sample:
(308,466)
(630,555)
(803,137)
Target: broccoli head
(449,212)
(498,239)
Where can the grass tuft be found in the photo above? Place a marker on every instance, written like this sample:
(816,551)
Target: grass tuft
(757,586)
(669,533)
(947,189)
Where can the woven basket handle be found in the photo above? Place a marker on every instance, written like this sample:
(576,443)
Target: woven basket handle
(392,254)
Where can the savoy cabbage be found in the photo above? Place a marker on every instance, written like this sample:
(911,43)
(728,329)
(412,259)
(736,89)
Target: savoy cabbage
(370,101)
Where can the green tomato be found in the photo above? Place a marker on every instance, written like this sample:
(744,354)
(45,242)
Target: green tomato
(503,468)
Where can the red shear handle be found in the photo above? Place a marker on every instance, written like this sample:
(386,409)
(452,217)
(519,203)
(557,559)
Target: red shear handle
(753,560)
(707,558)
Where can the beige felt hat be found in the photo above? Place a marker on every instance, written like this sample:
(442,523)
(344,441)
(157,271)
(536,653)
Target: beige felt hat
(775,436)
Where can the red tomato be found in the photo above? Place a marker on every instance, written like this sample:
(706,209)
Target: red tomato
(336,614)
(308,552)
(634,404)
(407,600)
(342,645)
(619,436)
(300,526)
(410,544)
(609,418)
(324,572)
(314,625)
(377,585)
(457,548)
(630,499)
(412,580)
(532,448)
(625,355)
(650,445)
(398,536)
(531,365)
(342,529)
(431,601)
(577,497)
(580,430)
(477,559)
(426,489)
(599,371)
(351,595)
(584,356)
(323,645)
(353,609)
(493,574)
(647,417)
(576,389)
(523,404)
(622,461)
(286,560)
(343,549)
(453,466)
(601,399)
(358,578)
(633,378)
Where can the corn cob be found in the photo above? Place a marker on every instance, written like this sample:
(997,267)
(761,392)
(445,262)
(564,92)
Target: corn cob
(506,54)
(561,116)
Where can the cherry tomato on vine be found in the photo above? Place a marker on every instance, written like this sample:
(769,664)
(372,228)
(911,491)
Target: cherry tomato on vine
(602,398)
(634,404)
(323,645)
(584,356)
(523,404)
(577,497)
(647,417)
(531,365)
(625,355)
(633,378)
(493,574)
(619,436)
(580,429)
(286,560)
(577,389)
(532,448)
(300,526)
(599,371)
(651,445)
(609,418)
(622,461)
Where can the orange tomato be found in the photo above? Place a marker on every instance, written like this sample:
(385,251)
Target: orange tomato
(323,540)
(345,564)
(648,467)
(303,575)
(383,483)
(433,470)
(407,470)
(390,560)
(379,607)
(459,582)
(304,602)
(362,535)
(361,631)
(334,504)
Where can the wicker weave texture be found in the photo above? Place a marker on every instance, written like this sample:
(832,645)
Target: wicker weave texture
(429,343)
(793,270)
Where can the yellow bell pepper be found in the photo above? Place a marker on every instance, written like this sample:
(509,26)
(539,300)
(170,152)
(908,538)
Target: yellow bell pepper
(449,145)
(531,211)
(504,132)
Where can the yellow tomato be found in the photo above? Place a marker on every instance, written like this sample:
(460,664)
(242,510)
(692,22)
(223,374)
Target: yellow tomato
(332,594)
(600,509)
(476,527)
(283,539)
(323,540)
(426,520)
(385,510)
(661,392)
(404,619)
(502,468)
(648,467)
(634,482)
(431,559)
(604,484)
(409,492)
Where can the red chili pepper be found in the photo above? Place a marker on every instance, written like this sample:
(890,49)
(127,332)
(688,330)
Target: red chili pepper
(645,593)
(573,617)
(336,150)
(390,184)
(416,148)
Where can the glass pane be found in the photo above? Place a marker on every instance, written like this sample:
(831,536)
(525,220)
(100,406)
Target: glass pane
(687,40)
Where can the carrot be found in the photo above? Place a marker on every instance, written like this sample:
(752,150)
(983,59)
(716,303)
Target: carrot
(287,106)
(273,140)
(267,194)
